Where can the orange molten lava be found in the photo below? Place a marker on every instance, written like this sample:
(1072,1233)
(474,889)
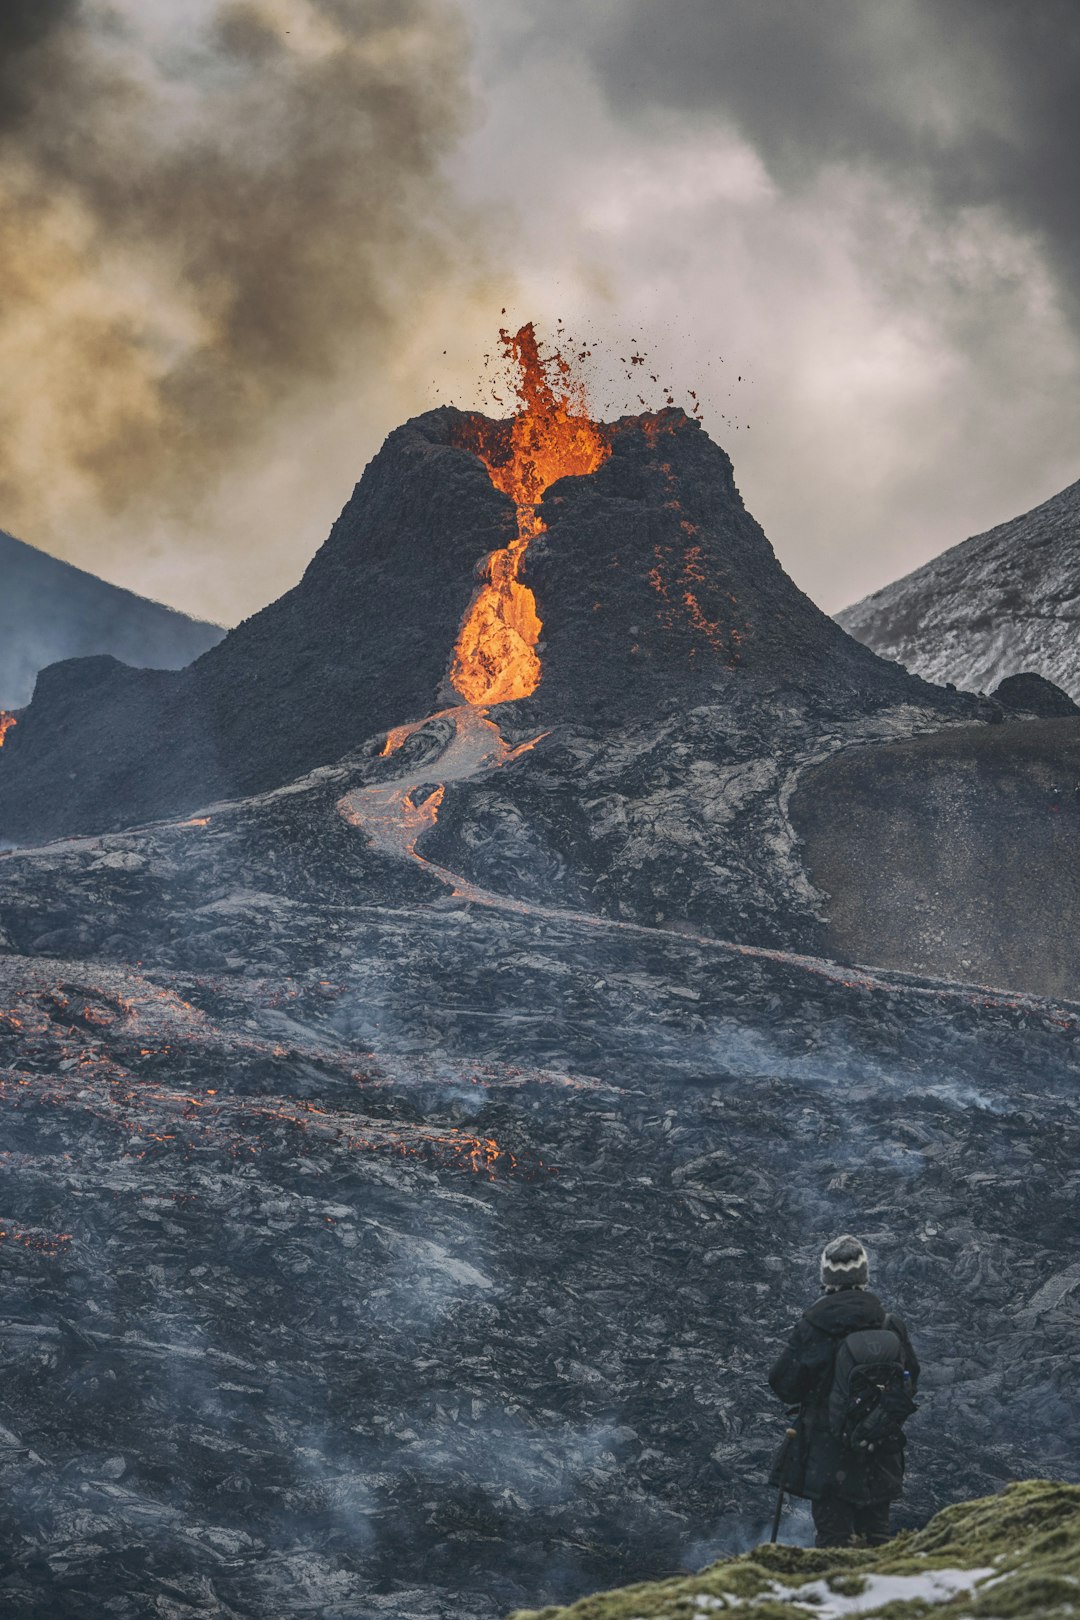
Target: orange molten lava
(550,437)
(6,723)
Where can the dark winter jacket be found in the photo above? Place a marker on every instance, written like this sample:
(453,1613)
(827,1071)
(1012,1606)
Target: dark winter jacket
(820,1464)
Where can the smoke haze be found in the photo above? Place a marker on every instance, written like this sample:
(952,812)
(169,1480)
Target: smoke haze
(971,103)
(237,237)
(199,226)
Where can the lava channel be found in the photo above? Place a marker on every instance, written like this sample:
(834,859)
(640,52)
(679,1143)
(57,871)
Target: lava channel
(495,658)
(391,814)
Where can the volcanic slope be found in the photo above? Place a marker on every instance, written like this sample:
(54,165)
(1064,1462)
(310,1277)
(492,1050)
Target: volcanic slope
(956,853)
(375,1251)
(657,592)
(50,610)
(410,1168)
(1000,603)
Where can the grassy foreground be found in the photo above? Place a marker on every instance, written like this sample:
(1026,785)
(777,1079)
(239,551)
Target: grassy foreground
(1015,1556)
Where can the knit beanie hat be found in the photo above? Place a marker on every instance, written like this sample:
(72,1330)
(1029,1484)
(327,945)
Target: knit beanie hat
(844,1264)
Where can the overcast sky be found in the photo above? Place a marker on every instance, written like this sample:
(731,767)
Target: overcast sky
(851,226)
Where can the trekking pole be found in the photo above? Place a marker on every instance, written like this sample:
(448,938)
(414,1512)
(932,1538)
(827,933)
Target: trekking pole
(784,1455)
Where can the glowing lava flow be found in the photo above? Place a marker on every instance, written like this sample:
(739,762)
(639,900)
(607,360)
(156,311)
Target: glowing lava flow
(6,723)
(92,1049)
(550,437)
(495,659)
(389,812)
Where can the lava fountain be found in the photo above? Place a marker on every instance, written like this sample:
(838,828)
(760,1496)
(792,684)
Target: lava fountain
(551,436)
(495,659)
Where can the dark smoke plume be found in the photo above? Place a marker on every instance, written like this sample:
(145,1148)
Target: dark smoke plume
(23,24)
(197,228)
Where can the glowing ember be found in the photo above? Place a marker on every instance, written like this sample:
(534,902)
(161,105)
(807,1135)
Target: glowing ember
(550,437)
(6,723)
(105,1050)
(40,1242)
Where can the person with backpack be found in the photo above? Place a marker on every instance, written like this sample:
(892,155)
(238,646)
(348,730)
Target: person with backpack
(850,1368)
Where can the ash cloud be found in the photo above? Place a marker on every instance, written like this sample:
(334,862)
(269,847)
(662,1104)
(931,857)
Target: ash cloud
(23,25)
(203,222)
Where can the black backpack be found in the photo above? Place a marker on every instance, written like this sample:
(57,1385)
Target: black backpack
(870,1396)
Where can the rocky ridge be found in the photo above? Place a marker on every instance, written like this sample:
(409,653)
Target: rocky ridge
(956,852)
(998,604)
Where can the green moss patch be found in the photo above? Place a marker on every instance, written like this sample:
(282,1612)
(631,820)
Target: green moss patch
(1015,1556)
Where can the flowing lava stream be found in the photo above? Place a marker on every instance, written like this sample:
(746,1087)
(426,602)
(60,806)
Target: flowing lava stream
(495,658)
(6,722)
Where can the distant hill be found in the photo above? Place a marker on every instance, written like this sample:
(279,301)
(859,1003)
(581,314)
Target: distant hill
(50,610)
(1004,601)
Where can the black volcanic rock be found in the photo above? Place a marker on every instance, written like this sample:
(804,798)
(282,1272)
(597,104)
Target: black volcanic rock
(955,854)
(372,1257)
(654,584)
(361,643)
(50,610)
(1033,694)
(389,1238)
(999,603)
